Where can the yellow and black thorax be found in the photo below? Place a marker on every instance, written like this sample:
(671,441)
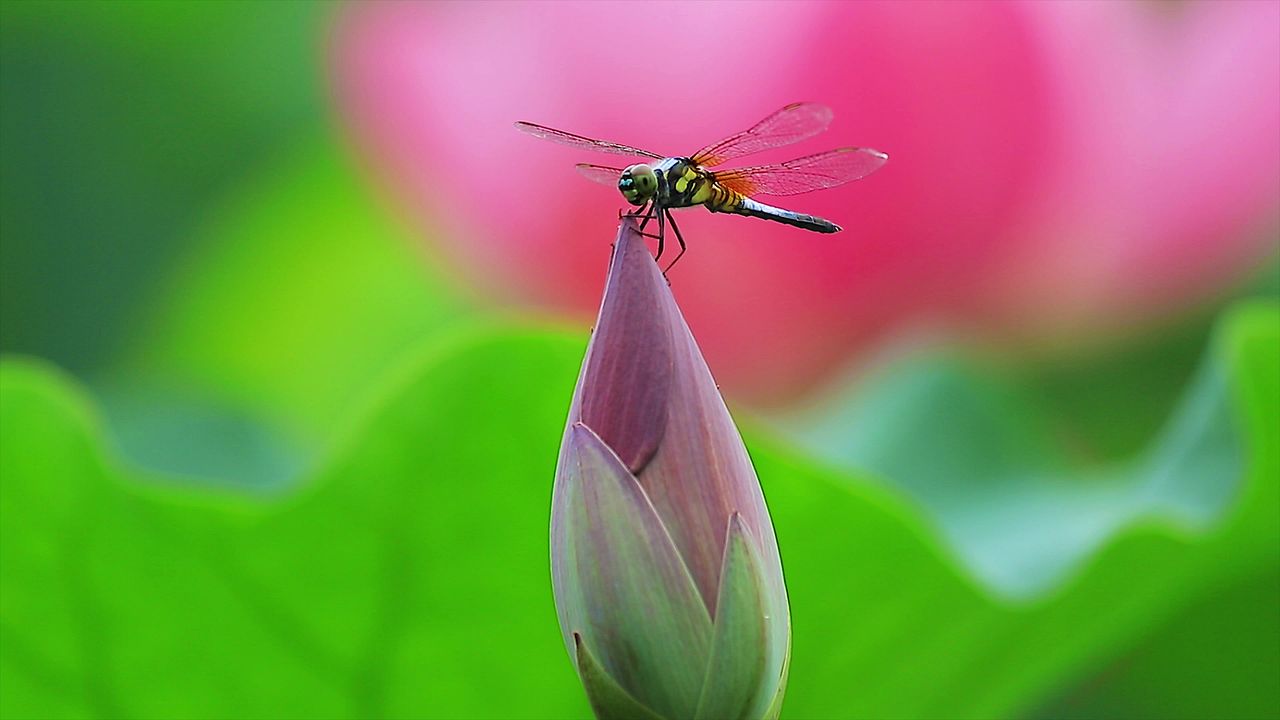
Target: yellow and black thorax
(681,183)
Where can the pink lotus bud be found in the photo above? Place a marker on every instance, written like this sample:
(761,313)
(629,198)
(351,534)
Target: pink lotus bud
(666,572)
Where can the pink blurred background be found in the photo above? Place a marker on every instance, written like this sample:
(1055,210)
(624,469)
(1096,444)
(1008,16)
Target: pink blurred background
(1061,173)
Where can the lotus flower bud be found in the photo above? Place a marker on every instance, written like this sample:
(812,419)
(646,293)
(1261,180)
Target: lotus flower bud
(664,563)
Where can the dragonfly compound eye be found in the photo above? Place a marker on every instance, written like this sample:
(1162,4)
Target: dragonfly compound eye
(637,184)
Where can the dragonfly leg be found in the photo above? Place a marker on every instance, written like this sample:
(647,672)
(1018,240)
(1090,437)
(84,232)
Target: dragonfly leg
(662,231)
(639,212)
(633,213)
(649,215)
(679,238)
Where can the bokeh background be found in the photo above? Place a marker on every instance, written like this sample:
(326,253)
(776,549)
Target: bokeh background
(290,317)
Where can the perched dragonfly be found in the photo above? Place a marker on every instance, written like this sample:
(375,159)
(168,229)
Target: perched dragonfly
(677,182)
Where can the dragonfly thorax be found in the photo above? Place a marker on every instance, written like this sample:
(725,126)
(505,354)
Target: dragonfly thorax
(638,184)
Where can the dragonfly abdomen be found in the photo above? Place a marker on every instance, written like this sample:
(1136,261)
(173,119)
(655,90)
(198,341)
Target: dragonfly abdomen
(726,200)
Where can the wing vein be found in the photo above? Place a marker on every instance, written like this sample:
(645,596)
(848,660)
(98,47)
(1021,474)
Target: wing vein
(581,142)
(791,124)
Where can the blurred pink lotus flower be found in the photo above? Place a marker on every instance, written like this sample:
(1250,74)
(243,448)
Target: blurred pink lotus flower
(1060,171)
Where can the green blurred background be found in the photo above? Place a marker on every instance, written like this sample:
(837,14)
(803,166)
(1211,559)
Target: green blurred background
(249,423)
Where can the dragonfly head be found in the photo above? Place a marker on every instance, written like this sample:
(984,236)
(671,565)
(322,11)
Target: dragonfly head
(638,184)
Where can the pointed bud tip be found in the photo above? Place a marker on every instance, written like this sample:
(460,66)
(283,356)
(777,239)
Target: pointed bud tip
(737,524)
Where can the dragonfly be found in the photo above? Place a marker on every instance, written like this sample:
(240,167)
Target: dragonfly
(659,183)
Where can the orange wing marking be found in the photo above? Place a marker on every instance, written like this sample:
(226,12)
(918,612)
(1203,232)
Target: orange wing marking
(805,174)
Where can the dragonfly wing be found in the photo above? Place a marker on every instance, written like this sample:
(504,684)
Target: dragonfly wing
(600,173)
(791,124)
(806,174)
(584,143)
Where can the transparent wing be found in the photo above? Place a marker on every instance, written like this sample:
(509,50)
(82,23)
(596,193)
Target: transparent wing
(600,173)
(791,124)
(585,143)
(806,174)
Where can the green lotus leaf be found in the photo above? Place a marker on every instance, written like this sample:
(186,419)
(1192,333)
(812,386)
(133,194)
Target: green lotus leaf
(401,581)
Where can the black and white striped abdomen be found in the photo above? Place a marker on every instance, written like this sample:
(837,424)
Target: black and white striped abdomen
(747,206)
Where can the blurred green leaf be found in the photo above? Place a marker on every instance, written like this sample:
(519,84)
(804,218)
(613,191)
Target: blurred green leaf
(121,123)
(1217,659)
(409,577)
(910,632)
(976,449)
(302,294)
